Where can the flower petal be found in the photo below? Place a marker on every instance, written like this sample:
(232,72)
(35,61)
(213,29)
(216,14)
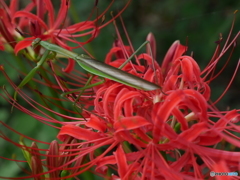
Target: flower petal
(121,161)
(96,123)
(77,132)
(129,123)
(23,44)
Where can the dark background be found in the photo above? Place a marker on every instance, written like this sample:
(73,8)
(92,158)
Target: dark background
(198,21)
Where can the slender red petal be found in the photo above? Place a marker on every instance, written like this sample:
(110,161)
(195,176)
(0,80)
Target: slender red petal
(50,10)
(174,51)
(31,16)
(129,123)
(77,132)
(23,44)
(121,161)
(96,123)
(61,14)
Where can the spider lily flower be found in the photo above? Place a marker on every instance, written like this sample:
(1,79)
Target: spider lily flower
(133,133)
(52,28)
(176,133)
(153,135)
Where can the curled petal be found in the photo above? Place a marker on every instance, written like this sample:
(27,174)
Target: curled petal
(77,132)
(23,44)
(112,52)
(121,161)
(171,83)
(96,123)
(190,69)
(222,123)
(109,98)
(187,68)
(174,51)
(122,51)
(194,132)
(121,99)
(190,98)
(129,123)
(70,66)
(25,14)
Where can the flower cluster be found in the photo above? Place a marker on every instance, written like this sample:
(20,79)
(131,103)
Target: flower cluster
(32,20)
(122,132)
(163,134)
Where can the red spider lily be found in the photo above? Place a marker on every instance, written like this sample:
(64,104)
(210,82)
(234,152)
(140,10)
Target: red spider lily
(158,136)
(26,21)
(145,134)
(137,134)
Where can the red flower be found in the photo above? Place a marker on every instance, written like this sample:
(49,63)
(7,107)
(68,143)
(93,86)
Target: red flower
(175,133)
(47,29)
(169,132)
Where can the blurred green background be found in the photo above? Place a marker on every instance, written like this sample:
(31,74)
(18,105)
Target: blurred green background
(198,21)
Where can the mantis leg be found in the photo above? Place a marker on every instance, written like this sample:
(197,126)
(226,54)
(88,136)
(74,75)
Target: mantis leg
(29,76)
(99,68)
(87,86)
(98,83)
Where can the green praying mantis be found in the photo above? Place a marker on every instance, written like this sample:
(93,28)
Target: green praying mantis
(92,66)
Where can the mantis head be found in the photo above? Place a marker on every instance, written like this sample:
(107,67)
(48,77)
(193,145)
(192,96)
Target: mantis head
(36,42)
